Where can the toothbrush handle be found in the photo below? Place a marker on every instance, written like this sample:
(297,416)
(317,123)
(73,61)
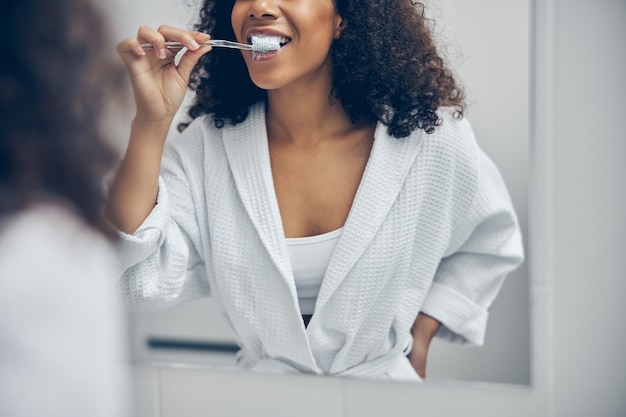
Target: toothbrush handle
(213,42)
(228,44)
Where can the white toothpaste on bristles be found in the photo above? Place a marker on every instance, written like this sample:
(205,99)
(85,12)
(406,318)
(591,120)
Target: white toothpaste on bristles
(265,43)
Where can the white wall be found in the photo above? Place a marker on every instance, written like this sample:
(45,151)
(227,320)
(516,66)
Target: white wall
(487,43)
(589,254)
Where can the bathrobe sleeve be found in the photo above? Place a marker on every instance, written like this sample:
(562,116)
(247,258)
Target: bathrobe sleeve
(485,246)
(161,263)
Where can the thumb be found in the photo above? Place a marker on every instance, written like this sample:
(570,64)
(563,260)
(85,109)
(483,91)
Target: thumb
(189,60)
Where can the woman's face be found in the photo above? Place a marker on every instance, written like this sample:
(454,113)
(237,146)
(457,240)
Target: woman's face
(308,27)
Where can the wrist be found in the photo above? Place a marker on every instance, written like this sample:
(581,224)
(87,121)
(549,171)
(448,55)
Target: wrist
(155,125)
(425,327)
(147,139)
(149,132)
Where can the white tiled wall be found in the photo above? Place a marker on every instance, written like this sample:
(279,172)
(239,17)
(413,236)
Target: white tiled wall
(226,393)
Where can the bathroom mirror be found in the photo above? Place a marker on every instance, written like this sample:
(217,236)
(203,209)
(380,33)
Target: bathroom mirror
(487,44)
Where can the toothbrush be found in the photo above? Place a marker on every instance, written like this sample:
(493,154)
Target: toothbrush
(259,44)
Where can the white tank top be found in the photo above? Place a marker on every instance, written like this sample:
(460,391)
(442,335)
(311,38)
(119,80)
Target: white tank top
(309,259)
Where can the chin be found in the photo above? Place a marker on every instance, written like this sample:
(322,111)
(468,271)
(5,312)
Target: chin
(267,83)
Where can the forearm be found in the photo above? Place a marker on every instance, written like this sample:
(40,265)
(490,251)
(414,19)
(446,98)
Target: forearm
(133,193)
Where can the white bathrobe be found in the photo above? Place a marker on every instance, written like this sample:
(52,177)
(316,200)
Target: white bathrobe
(431,229)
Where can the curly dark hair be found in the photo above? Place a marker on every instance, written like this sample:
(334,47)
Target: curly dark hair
(54,79)
(385,68)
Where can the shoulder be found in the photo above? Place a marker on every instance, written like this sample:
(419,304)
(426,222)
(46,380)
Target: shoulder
(251,128)
(453,134)
(57,278)
(451,148)
(199,140)
(196,132)
(448,161)
(202,136)
(48,245)
(52,226)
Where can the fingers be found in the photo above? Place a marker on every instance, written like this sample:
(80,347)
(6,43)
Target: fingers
(153,68)
(157,40)
(189,60)
(130,46)
(188,39)
(148,35)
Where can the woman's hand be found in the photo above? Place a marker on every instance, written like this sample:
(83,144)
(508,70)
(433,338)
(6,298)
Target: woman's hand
(159,86)
(158,83)
(423,330)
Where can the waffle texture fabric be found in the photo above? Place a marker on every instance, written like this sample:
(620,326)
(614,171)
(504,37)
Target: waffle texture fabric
(431,229)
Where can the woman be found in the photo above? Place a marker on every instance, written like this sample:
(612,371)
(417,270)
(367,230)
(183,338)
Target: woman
(61,336)
(334,179)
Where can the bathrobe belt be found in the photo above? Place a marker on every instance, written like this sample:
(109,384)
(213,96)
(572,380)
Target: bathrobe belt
(393,365)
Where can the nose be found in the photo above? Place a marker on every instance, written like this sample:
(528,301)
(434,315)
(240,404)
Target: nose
(263,10)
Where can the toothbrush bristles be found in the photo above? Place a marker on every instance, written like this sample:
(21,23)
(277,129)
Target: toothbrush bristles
(265,43)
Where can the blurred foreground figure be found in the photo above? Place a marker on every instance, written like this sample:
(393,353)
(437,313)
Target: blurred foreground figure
(61,338)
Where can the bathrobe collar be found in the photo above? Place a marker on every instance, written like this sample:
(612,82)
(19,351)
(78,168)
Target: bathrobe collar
(247,150)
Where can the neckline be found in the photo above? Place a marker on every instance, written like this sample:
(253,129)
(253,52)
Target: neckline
(307,240)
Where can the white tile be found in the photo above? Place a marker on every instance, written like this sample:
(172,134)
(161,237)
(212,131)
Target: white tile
(145,395)
(195,392)
(375,399)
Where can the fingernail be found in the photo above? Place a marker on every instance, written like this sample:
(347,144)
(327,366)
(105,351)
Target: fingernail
(161,53)
(194,44)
